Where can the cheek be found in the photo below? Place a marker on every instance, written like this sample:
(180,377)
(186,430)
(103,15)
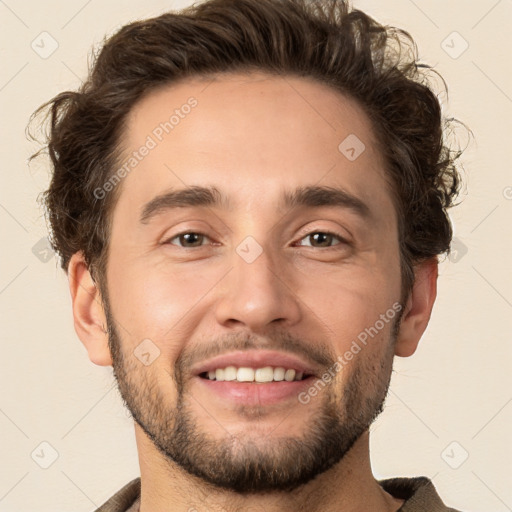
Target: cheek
(158,304)
(349,300)
(357,314)
(364,363)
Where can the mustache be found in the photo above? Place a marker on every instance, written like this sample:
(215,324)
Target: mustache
(316,352)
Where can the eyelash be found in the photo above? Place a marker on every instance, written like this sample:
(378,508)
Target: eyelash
(342,240)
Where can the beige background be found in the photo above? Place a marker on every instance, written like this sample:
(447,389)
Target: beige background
(456,388)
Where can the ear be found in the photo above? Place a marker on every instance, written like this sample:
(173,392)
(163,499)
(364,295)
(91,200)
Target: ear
(418,309)
(88,313)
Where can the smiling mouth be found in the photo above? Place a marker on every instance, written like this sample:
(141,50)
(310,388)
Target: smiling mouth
(261,375)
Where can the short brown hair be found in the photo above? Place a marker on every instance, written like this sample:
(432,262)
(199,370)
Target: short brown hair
(325,40)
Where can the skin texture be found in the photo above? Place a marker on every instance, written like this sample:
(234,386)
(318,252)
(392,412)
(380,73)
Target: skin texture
(252,136)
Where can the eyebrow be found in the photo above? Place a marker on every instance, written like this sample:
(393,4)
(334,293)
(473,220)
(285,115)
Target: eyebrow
(211,196)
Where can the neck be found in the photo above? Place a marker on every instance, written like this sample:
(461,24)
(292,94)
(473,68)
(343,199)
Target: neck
(349,487)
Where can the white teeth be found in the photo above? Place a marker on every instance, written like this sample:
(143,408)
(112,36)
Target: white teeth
(279,373)
(264,374)
(246,374)
(230,373)
(289,375)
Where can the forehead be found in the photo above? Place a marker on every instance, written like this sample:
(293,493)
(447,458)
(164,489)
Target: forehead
(252,136)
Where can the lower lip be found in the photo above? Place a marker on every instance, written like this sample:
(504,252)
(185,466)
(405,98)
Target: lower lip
(256,393)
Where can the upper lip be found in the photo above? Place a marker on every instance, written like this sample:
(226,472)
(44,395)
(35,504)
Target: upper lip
(256,359)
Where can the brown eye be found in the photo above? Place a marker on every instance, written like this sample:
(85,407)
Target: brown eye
(322,239)
(189,239)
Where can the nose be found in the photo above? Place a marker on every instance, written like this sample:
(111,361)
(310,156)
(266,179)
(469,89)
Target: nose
(257,293)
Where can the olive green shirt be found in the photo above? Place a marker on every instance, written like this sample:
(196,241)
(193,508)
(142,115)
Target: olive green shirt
(419,494)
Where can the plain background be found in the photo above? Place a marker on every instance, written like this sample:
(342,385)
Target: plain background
(451,400)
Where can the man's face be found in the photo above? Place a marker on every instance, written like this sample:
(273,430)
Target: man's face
(253,281)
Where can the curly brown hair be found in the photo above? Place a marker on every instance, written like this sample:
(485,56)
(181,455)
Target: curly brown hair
(325,40)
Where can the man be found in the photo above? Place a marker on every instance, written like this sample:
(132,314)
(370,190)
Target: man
(249,198)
